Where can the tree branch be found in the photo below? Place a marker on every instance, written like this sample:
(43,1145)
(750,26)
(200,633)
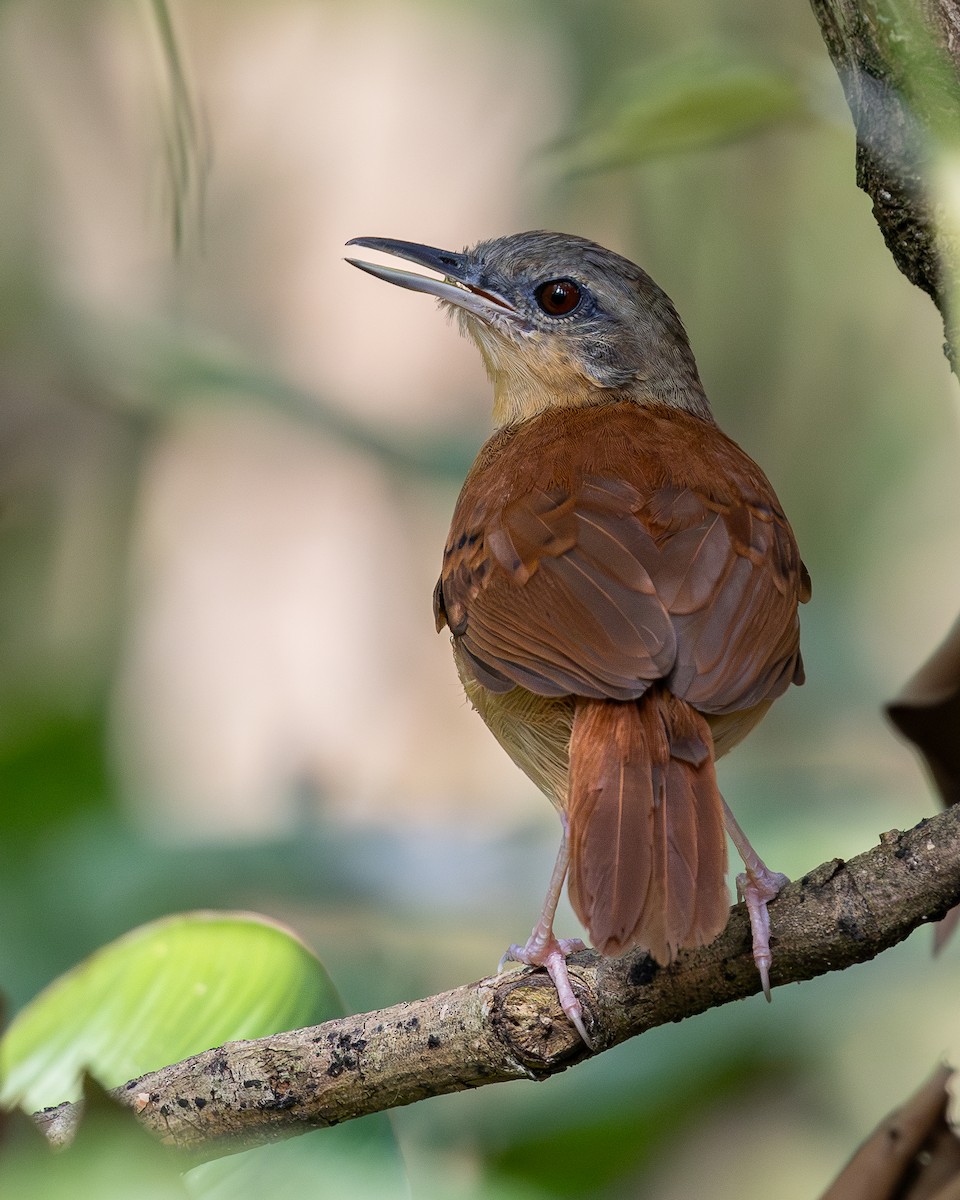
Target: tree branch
(510,1027)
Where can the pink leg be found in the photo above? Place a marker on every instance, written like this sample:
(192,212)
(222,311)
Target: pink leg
(757,886)
(544,949)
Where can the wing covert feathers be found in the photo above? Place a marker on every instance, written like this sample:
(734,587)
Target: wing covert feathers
(595,551)
(646,833)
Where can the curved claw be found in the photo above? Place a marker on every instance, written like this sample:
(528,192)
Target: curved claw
(764,969)
(757,887)
(544,949)
(552,954)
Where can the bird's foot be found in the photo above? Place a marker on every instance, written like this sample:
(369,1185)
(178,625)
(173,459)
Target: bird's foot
(551,953)
(757,886)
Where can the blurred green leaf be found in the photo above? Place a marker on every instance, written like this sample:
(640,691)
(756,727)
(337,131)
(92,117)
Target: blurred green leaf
(164,991)
(114,1158)
(170,989)
(111,1158)
(676,104)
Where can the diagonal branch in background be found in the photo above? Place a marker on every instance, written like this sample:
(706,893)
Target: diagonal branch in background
(927,711)
(510,1027)
(913,1153)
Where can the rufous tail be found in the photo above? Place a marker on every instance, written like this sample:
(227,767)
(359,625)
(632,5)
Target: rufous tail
(648,854)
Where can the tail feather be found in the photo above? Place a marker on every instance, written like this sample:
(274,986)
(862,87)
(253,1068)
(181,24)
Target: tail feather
(645,826)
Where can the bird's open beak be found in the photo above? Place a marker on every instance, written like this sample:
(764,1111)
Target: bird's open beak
(461,284)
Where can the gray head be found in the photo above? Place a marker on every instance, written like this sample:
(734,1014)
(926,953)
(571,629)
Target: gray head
(559,321)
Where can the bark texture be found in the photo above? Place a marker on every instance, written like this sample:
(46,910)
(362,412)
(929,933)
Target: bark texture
(511,1027)
(899,64)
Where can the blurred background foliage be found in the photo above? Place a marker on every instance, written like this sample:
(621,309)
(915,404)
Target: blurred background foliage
(225,478)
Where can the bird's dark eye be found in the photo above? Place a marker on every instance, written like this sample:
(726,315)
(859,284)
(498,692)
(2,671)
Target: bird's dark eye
(558,297)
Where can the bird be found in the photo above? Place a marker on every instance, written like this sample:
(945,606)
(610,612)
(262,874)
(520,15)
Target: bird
(621,589)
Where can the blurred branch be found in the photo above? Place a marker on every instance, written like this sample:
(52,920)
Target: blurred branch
(510,1027)
(927,712)
(899,64)
(912,1155)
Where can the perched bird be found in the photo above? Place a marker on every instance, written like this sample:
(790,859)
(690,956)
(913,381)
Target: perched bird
(620,585)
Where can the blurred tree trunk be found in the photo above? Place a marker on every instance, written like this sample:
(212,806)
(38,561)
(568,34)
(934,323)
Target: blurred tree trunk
(899,64)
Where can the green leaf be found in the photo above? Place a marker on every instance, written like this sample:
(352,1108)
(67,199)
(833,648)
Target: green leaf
(173,988)
(166,990)
(677,104)
(111,1158)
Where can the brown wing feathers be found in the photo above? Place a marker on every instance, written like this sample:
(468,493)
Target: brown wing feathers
(562,612)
